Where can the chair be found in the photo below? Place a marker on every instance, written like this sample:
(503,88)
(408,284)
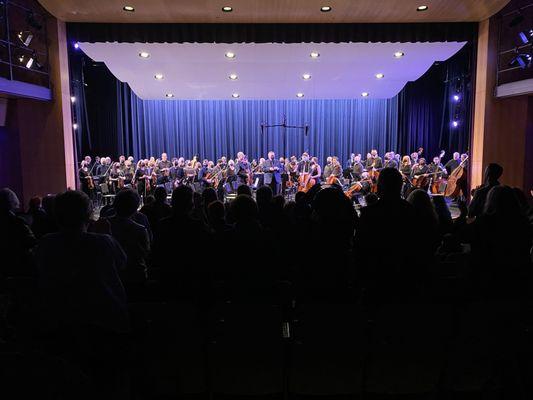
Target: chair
(408,349)
(329,350)
(247,350)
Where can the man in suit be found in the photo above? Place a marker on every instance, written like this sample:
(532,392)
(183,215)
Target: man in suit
(271,168)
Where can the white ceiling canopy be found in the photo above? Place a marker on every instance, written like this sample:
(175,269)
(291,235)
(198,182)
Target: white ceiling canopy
(201,71)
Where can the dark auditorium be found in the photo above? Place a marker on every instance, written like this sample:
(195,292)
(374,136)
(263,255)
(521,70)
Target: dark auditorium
(266,199)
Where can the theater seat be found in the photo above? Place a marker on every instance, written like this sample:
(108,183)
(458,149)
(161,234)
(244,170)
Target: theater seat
(408,349)
(246,352)
(329,349)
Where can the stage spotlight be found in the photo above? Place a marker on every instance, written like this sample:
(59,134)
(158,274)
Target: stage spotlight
(128,8)
(25,37)
(365,94)
(399,54)
(26,61)
(72,99)
(521,60)
(325,9)
(422,8)
(233,77)
(455,124)
(456,98)
(526,36)
(306,77)
(299,95)
(74,126)
(380,76)
(169,95)
(314,54)
(230,55)
(76,45)
(144,54)
(235,95)
(227,9)
(159,77)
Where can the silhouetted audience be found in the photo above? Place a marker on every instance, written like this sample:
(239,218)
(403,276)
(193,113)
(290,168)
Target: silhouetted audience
(493,172)
(158,208)
(133,239)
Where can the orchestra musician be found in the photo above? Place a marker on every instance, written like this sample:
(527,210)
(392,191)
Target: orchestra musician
(327,168)
(376,161)
(163,169)
(390,162)
(271,169)
(122,163)
(116,178)
(336,172)
(86,180)
(128,172)
(453,163)
(142,178)
(418,174)
(243,168)
(316,170)
(406,171)
(357,168)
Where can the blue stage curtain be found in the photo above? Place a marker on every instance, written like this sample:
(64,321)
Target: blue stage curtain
(212,129)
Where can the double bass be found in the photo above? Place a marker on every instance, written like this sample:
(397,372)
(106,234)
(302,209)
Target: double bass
(458,175)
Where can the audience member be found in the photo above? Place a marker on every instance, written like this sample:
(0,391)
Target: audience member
(157,209)
(493,172)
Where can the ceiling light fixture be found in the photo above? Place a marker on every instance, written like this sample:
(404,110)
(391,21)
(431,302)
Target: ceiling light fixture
(158,76)
(128,8)
(380,75)
(235,95)
(399,54)
(299,95)
(227,9)
(144,54)
(365,94)
(72,99)
(314,54)
(230,55)
(306,77)
(325,8)
(74,126)
(233,77)
(422,8)
(169,95)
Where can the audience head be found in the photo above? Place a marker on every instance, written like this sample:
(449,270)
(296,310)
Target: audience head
(299,197)
(390,183)
(502,202)
(493,172)
(48,203)
(126,203)
(244,189)
(264,195)
(422,204)
(9,201)
(216,212)
(160,195)
(244,209)
(209,195)
(182,200)
(73,210)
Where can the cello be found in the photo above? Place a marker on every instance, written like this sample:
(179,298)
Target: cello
(458,175)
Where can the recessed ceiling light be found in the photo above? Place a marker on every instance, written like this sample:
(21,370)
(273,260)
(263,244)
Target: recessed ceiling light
(235,95)
(325,8)
(227,9)
(299,95)
(169,95)
(365,94)
(230,54)
(233,77)
(158,76)
(128,8)
(306,77)
(399,54)
(380,75)
(422,8)
(144,54)
(314,54)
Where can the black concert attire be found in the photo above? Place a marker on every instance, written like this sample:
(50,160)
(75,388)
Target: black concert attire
(336,171)
(202,176)
(406,171)
(376,163)
(357,170)
(452,165)
(315,175)
(114,177)
(243,169)
(128,175)
(83,175)
(391,164)
(143,184)
(163,172)
(327,171)
(435,168)
(304,167)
